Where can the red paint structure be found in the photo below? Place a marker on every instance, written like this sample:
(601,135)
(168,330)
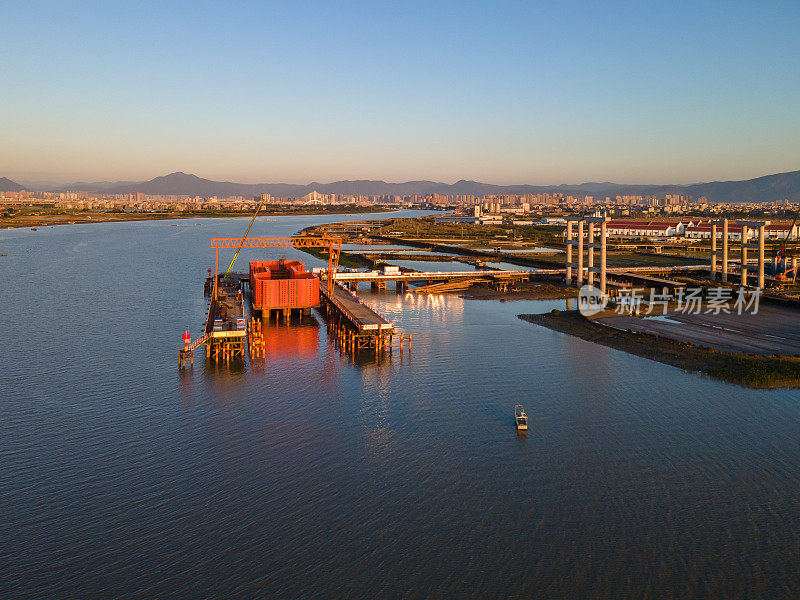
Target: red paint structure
(282,284)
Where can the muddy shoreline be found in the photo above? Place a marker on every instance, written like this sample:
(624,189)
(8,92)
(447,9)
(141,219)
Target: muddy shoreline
(747,370)
(77,217)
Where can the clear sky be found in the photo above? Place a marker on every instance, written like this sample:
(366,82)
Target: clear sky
(502,92)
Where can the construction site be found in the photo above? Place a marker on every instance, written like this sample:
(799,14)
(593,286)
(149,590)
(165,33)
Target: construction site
(280,290)
(242,303)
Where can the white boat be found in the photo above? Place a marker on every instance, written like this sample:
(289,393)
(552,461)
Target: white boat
(520,417)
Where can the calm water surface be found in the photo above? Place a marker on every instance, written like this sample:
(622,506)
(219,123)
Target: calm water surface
(314,477)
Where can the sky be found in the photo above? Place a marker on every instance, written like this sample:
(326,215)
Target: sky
(500,92)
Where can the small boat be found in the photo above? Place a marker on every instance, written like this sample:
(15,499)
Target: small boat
(520,417)
(33,228)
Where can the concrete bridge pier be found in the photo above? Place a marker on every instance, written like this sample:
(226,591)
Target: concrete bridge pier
(758,246)
(576,262)
(716,253)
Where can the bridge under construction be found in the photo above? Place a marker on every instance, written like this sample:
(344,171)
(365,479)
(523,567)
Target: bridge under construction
(355,325)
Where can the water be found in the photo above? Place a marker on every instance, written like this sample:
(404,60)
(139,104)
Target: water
(504,266)
(431,265)
(534,250)
(377,248)
(313,477)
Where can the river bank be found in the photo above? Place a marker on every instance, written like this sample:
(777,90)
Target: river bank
(73,217)
(748,370)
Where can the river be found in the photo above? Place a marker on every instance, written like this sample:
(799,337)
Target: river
(314,476)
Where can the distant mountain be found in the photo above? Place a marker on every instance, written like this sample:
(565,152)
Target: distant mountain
(95,186)
(762,189)
(765,189)
(185,184)
(6,185)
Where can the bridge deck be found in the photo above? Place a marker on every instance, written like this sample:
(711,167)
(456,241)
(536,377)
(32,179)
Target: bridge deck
(428,275)
(650,280)
(495,274)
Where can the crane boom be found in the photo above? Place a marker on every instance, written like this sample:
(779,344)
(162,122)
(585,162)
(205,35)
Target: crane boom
(236,254)
(782,251)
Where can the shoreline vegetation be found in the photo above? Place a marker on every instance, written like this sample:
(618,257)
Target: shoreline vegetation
(747,370)
(46,218)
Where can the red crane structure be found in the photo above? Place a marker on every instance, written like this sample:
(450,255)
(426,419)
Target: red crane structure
(333,244)
(783,254)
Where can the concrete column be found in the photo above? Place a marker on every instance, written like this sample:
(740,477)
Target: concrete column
(590,254)
(579,278)
(744,256)
(713,252)
(569,252)
(603,236)
(761,257)
(725,250)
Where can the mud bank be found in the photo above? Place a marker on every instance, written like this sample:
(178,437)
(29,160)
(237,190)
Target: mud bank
(748,370)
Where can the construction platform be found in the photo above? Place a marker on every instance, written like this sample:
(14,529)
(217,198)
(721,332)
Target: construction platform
(226,324)
(356,325)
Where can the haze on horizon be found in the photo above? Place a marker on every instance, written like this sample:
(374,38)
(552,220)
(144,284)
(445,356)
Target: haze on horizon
(499,92)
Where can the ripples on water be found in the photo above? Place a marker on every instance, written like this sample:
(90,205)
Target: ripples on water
(312,476)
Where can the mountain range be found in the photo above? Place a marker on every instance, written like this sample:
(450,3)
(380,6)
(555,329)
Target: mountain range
(6,185)
(770,188)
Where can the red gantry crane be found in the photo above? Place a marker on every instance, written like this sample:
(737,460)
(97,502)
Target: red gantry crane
(333,244)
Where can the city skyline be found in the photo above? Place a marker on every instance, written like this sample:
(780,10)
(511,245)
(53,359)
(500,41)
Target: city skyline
(505,93)
(45,185)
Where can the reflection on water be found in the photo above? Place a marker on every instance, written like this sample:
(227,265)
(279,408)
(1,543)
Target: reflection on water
(319,475)
(297,340)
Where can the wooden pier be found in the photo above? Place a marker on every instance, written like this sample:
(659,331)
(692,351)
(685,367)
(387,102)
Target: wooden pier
(355,325)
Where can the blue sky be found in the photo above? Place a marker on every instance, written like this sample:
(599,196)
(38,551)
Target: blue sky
(503,92)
